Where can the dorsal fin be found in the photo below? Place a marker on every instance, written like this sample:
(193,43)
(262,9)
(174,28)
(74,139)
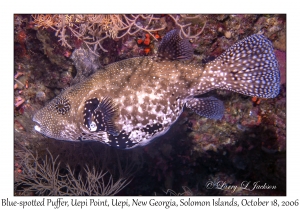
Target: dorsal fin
(174,47)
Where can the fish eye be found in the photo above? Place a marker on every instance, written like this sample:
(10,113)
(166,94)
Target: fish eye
(62,105)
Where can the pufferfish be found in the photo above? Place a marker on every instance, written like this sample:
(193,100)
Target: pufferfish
(131,102)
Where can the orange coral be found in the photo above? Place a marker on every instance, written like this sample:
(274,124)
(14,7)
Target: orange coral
(256,100)
(147,39)
(156,35)
(139,41)
(147,50)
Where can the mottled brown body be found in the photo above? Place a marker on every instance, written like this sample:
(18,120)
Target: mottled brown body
(145,92)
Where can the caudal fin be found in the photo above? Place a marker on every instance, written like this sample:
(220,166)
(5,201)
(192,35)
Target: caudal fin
(248,67)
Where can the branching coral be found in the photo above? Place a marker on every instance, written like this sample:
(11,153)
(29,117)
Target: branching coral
(185,28)
(46,177)
(93,29)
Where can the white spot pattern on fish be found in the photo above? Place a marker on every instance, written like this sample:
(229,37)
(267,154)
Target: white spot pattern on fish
(131,102)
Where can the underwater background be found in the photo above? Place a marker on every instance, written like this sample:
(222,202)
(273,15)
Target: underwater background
(198,156)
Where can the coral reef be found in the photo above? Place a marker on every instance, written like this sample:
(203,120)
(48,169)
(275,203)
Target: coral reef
(52,52)
(93,29)
(45,176)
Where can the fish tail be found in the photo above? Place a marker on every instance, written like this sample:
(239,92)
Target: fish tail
(248,67)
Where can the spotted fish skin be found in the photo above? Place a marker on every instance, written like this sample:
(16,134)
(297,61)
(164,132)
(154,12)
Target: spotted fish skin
(131,102)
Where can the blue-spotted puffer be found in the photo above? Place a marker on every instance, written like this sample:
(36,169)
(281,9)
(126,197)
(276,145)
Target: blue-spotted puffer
(131,102)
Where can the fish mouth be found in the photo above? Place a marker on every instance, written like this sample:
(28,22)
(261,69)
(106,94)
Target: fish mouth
(37,128)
